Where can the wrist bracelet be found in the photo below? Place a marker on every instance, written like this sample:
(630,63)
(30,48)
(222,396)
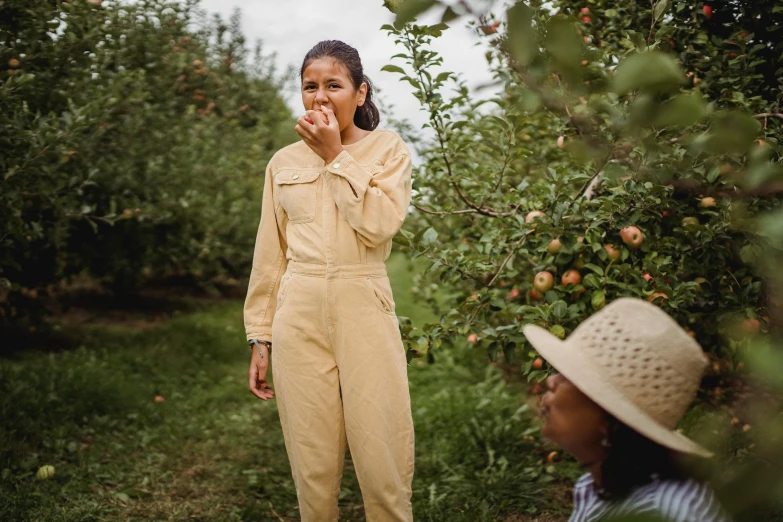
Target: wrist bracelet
(258,344)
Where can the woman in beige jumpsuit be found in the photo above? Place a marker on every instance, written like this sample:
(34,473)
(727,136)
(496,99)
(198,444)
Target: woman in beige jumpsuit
(320,295)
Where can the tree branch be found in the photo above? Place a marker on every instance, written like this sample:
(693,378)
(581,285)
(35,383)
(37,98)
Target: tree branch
(437,125)
(518,244)
(769,115)
(446,213)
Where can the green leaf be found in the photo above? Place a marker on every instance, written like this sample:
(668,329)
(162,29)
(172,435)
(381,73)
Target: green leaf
(648,71)
(442,77)
(563,43)
(393,69)
(10,172)
(762,173)
(559,309)
(682,111)
(730,132)
(448,15)
(521,36)
(410,9)
(595,268)
(660,8)
(429,237)
(771,226)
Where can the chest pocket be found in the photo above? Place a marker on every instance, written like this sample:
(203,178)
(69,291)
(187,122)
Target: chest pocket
(297,190)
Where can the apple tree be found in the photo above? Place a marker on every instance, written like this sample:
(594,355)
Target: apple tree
(634,150)
(618,161)
(131,135)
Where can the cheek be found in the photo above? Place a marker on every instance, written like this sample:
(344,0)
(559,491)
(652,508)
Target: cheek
(573,423)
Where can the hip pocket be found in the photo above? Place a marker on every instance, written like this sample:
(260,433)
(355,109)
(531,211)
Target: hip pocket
(381,294)
(283,290)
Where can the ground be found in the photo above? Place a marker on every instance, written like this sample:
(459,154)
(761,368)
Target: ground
(151,420)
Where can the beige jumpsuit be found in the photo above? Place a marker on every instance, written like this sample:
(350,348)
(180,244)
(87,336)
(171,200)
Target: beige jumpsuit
(319,291)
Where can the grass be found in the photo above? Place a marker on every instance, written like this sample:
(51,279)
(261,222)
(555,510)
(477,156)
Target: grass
(207,450)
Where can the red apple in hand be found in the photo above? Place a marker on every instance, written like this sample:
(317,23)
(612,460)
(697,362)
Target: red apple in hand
(632,237)
(323,117)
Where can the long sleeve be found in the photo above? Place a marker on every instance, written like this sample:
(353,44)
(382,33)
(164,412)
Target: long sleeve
(269,265)
(374,206)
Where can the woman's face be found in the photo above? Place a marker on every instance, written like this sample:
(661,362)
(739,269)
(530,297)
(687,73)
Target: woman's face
(325,82)
(572,420)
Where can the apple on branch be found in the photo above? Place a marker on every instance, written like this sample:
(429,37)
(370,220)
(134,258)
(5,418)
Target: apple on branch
(613,252)
(571,277)
(543,282)
(632,237)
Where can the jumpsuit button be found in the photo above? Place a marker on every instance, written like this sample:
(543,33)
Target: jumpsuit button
(296,176)
(337,165)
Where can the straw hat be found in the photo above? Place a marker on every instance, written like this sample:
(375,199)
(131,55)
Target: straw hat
(634,361)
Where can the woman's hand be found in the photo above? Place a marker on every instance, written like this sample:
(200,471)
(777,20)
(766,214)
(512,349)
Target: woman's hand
(323,138)
(258,368)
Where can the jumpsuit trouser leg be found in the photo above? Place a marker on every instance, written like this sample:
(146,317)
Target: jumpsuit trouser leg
(340,376)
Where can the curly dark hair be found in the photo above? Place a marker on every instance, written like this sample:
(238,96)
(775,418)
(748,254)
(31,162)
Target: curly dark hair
(634,460)
(367,116)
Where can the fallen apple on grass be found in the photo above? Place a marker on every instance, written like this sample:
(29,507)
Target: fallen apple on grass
(45,472)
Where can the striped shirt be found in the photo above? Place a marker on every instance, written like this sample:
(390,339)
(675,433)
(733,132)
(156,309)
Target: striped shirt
(674,500)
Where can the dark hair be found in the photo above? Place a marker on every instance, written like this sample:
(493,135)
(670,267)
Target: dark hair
(633,460)
(367,116)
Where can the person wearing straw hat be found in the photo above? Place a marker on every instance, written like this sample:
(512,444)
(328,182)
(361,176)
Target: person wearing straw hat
(626,376)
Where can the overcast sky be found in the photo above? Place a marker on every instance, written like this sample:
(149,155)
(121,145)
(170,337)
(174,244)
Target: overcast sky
(291,27)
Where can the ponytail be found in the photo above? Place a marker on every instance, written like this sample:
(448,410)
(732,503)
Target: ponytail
(367,116)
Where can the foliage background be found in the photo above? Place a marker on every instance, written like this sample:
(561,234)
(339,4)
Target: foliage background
(130,137)
(132,134)
(660,115)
